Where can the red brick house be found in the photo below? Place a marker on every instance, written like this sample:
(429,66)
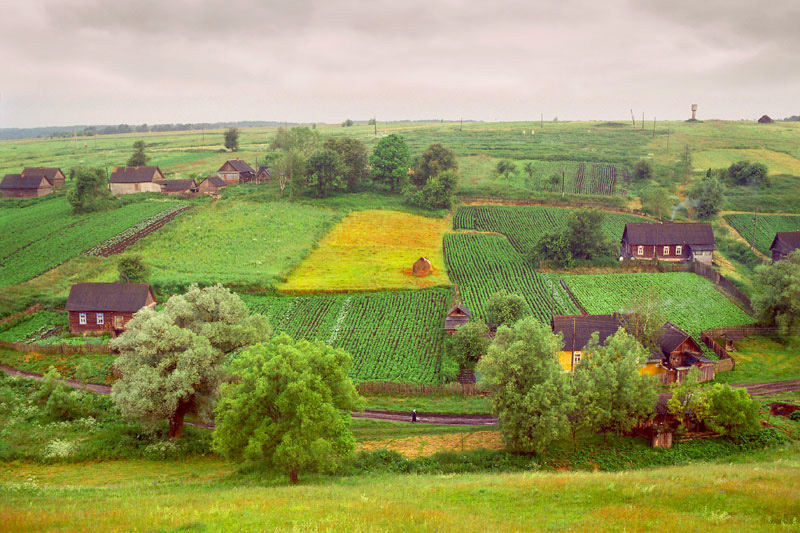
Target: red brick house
(236,171)
(671,241)
(96,308)
(784,243)
(19,186)
(53,175)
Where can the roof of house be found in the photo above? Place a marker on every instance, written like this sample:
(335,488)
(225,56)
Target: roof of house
(765,119)
(48,172)
(672,337)
(459,308)
(578,329)
(178,185)
(239,165)
(119,297)
(786,241)
(458,315)
(18,181)
(216,181)
(264,169)
(690,233)
(134,174)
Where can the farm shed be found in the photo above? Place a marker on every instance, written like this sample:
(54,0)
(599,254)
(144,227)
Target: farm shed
(576,331)
(457,316)
(263,174)
(236,171)
(19,186)
(211,185)
(677,353)
(422,267)
(175,187)
(51,174)
(129,180)
(106,307)
(784,243)
(671,241)
(765,119)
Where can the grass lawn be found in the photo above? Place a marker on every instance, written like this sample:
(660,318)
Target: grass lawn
(94,367)
(451,404)
(777,162)
(762,359)
(371,250)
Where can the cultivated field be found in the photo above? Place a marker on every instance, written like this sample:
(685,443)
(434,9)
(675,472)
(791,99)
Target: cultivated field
(766,226)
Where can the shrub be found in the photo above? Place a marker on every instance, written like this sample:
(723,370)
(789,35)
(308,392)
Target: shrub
(643,170)
(795,415)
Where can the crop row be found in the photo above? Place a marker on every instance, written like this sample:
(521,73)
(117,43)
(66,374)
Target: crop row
(104,247)
(524,225)
(766,227)
(600,180)
(481,265)
(392,336)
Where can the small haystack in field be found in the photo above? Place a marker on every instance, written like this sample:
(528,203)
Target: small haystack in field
(422,267)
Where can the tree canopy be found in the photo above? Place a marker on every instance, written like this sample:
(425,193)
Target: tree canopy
(582,239)
(138,158)
(435,159)
(643,170)
(469,343)
(777,300)
(232,139)
(505,308)
(390,161)
(91,190)
(747,173)
(505,167)
(324,171)
(132,269)
(300,138)
(353,155)
(706,196)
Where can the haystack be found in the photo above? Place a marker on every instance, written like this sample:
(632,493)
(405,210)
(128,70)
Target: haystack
(422,267)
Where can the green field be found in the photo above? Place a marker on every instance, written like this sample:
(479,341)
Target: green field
(481,265)
(689,301)
(392,336)
(766,227)
(525,225)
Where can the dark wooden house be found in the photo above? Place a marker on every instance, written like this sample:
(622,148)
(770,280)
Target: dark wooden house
(576,330)
(765,119)
(784,243)
(457,316)
(671,241)
(263,174)
(178,187)
(211,185)
(236,171)
(129,180)
(96,308)
(677,353)
(19,186)
(51,174)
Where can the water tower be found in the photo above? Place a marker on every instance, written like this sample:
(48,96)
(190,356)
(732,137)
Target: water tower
(694,111)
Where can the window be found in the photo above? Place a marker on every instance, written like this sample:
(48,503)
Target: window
(678,250)
(82,319)
(576,358)
(101,319)
(640,250)
(666,250)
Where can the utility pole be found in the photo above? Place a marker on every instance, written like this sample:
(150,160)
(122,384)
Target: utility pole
(642,119)
(562,182)
(461,127)
(755,225)
(375,123)
(541,121)
(633,120)
(668,130)
(654,127)
(686,161)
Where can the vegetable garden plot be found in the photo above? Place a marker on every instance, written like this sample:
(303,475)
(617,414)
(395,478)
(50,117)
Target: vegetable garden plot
(524,225)
(689,301)
(481,265)
(766,227)
(392,336)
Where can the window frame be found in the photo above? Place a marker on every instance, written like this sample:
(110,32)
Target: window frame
(678,249)
(100,319)
(666,250)
(576,358)
(82,319)
(640,250)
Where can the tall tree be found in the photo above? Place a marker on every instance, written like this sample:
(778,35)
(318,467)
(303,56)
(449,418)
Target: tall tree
(300,138)
(435,159)
(290,167)
(531,396)
(529,169)
(506,167)
(353,154)
(289,406)
(585,234)
(324,172)
(706,196)
(777,298)
(139,158)
(505,308)
(390,161)
(658,201)
(232,139)
(91,190)
(132,269)
(469,343)
(170,360)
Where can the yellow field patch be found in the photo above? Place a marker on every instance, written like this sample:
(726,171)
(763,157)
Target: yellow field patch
(370,250)
(777,162)
(425,445)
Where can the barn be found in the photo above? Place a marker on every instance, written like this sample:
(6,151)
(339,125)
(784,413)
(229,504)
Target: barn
(19,186)
(236,171)
(51,174)
(677,353)
(765,119)
(177,187)
(671,241)
(457,316)
(96,308)
(263,174)
(211,185)
(784,243)
(129,180)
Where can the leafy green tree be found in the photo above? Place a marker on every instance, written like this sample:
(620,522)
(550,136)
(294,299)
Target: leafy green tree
(706,196)
(732,412)
(658,201)
(133,269)
(170,360)
(290,168)
(288,407)
(643,170)
(437,193)
(353,154)
(505,167)
(390,161)
(529,169)
(554,246)
(139,158)
(777,298)
(688,401)
(300,138)
(91,190)
(232,139)
(505,308)
(324,172)
(583,237)
(435,159)
(469,343)
(531,396)
(347,123)
(371,122)
(747,173)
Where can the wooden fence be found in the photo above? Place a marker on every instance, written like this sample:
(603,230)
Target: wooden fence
(715,277)
(726,362)
(62,349)
(447,389)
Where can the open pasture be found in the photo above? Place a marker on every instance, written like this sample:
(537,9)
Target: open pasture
(777,162)
(372,250)
(392,336)
(766,227)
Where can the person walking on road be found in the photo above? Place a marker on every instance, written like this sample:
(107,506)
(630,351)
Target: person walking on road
(413,415)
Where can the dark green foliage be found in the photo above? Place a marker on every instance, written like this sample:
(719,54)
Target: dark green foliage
(795,415)
(300,138)
(505,308)
(133,269)
(58,400)
(776,299)
(347,123)
(468,344)
(706,196)
(505,168)
(324,172)
(139,158)
(437,193)
(643,170)
(583,239)
(435,159)
(353,154)
(91,192)
(732,412)
(747,173)
(658,201)
(390,161)
(232,139)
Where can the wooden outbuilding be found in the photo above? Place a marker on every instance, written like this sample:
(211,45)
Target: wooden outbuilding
(51,174)
(784,243)
(677,353)
(457,316)
(576,330)
(178,187)
(765,119)
(130,180)
(211,185)
(236,171)
(422,267)
(96,308)
(263,174)
(671,241)
(19,186)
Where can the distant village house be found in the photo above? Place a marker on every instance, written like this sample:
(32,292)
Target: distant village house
(177,187)
(263,174)
(457,316)
(671,241)
(19,186)
(784,243)
(236,171)
(51,174)
(96,308)
(765,119)
(211,185)
(129,180)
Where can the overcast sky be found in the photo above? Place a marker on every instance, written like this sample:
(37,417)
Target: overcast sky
(113,61)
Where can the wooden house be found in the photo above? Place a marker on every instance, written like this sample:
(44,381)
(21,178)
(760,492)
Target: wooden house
(263,174)
(19,186)
(457,316)
(671,241)
(96,308)
(784,243)
(765,119)
(211,185)
(129,180)
(576,330)
(422,267)
(178,187)
(677,353)
(51,174)
(236,171)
